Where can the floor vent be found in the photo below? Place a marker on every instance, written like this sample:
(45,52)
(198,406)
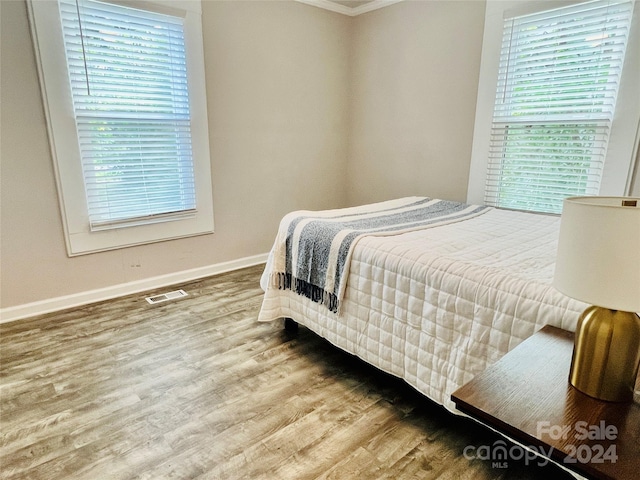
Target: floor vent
(165,297)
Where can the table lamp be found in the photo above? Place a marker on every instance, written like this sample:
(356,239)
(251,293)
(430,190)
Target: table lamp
(598,263)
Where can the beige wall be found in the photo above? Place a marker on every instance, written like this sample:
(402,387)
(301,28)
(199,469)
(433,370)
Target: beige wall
(277,80)
(414,77)
(307,109)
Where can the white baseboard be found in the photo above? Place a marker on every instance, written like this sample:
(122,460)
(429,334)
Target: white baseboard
(18,312)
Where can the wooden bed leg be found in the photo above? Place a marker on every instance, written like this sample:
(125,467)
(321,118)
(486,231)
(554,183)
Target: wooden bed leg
(290,325)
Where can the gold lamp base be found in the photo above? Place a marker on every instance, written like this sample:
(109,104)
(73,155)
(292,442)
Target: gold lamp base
(606,354)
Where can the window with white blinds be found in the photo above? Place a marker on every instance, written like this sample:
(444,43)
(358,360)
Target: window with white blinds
(127,69)
(123,85)
(558,78)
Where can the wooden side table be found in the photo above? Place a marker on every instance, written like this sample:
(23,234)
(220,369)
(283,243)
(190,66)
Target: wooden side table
(527,396)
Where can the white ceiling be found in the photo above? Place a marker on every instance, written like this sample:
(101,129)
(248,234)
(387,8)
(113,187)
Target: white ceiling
(352,3)
(350,7)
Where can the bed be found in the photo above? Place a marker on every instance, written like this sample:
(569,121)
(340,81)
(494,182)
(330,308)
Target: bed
(433,303)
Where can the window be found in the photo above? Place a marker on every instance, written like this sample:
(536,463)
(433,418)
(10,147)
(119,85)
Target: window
(557,78)
(124,87)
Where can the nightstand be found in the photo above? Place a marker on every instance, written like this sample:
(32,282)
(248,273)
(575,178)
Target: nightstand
(527,396)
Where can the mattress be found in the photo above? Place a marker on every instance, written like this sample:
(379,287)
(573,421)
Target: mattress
(437,306)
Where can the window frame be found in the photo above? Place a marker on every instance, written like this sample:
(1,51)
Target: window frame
(620,156)
(49,48)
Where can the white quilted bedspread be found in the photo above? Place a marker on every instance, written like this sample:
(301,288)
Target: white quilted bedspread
(437,306)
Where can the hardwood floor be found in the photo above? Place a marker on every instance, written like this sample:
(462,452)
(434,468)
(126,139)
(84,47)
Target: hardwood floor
(198,389)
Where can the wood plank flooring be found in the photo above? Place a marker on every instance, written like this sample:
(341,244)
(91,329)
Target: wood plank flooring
(198,389)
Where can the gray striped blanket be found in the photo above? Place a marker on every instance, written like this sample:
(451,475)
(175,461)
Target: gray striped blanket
(312,251)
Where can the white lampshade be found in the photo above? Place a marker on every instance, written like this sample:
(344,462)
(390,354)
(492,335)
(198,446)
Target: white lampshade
(599,252)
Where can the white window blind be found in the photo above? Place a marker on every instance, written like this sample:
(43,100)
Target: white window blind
(558,80)
(128,79)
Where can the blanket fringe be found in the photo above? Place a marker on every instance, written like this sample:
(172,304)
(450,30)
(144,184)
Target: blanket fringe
(286,281)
